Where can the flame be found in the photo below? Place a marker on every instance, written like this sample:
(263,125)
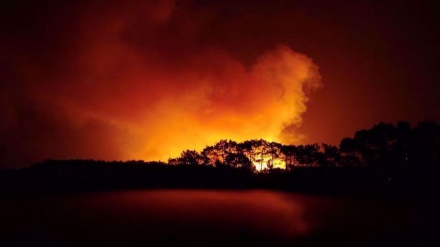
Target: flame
(264,164)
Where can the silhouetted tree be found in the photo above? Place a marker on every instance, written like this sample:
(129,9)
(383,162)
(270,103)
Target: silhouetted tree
(191,157)
(239,160)
(289,152)
(212,155)
(330,157)
(274,151)
(247,148)
(307,155)
(376,144)
(384,146)
(425,144)
(350,155)
(219,151)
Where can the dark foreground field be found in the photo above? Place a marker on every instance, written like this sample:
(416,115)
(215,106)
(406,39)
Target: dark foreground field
(156,205)
(93,204)
(214,218)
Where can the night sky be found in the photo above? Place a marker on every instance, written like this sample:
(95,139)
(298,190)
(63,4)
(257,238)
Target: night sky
(139,79)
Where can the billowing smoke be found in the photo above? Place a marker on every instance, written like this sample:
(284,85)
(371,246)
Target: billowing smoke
(136,80)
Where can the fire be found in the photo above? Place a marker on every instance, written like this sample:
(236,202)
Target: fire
(135,83)
(240,105)
(164,100)
(266,162)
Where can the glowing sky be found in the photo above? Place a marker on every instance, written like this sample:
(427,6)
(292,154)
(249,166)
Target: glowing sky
(147,79)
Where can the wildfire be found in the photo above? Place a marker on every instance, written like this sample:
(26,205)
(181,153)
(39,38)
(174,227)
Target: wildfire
(267,162)
(135,84)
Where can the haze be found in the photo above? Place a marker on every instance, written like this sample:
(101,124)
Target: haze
(147,79)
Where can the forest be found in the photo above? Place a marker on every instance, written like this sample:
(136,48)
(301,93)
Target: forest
(387,158)
(384,146)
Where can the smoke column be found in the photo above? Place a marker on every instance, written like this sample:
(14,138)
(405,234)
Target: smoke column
(135,80)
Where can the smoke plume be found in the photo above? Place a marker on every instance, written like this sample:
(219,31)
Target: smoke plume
(137,80)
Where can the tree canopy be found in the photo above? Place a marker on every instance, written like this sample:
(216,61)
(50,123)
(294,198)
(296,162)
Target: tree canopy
(384,146)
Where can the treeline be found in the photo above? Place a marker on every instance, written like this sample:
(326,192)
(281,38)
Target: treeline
(386,159)
(384,146)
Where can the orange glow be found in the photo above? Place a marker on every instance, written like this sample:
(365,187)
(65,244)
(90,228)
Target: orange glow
(241,106)
(157,108)
(132,87)
(263,212)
